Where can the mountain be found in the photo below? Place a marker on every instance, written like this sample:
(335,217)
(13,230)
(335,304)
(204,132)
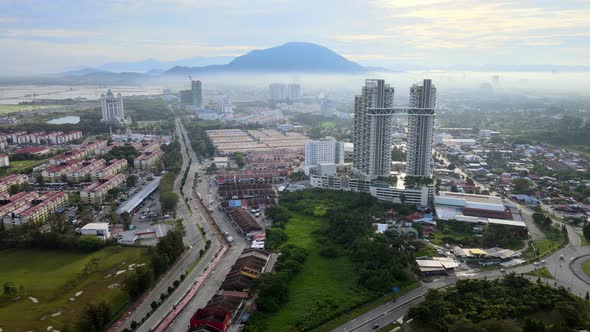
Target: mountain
(81,71)
(153,65)
(289,57)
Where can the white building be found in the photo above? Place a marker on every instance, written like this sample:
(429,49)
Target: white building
(278,91)
(325,150)
(373,124)
(98,229)
(226,108)
(112,108)
(419,196)
(420,129)
(4,161)
(293,91)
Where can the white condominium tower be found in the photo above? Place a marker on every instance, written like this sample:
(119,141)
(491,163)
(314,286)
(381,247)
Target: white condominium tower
(112,108)
(420,133)
(373,116)
(278,91)
(323,151)
(293,91)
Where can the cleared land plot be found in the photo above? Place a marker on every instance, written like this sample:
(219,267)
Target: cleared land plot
(322,280)
(53,278)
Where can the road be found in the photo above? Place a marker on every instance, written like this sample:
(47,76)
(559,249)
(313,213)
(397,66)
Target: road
(212,283)
(194,241)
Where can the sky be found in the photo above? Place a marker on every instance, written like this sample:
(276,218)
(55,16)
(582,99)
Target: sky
(53,35)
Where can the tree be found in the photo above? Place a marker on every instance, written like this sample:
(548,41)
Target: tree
(521,185)
(9,289)
(239,158)
(169,201)
(397,155)
(212,168)
(278,214)
(95,317)
(586,231)
(131,181)
(275,237)
(126,219)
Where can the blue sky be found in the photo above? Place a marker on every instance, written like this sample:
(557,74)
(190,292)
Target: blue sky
(50,35)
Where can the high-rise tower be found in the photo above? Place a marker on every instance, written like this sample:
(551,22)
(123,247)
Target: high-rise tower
(197,94)
(373,116)
(112,108)
(420,125)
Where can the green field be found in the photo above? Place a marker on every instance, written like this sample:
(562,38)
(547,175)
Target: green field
(586,267)
(321,281)
(21,164)
(542,272)
(54,277)
(4,109)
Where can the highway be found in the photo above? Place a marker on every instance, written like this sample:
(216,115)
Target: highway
(210,285)
(194,240)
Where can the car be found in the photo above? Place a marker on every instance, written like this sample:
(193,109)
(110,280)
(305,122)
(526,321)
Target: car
(257,214)
(561,257)
(375,326)
(502,271)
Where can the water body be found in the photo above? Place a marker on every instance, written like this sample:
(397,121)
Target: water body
(70,119)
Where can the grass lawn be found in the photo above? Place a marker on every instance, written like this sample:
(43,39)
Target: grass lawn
(586,267)
(20,164)
(425,250)
(320,280)
(553,241)
(53,277)
(542,272)
(328,125)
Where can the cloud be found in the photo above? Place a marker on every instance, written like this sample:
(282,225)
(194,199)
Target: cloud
(487,25)
(6,19)
(47,33)
(359,37)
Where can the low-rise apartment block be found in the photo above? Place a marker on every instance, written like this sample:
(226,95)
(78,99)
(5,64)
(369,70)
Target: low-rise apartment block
(30,207)
(14,179)
(150,155)
(110,168)
(96,192)
(40,137)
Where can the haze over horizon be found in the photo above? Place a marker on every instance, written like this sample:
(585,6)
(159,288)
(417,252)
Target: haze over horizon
(49,37)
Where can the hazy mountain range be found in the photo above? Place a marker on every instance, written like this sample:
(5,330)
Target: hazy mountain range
(290,57)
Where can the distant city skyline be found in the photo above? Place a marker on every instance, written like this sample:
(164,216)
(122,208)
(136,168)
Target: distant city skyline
(52,36)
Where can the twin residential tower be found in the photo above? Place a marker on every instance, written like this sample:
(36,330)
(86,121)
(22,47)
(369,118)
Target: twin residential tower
(373,123)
